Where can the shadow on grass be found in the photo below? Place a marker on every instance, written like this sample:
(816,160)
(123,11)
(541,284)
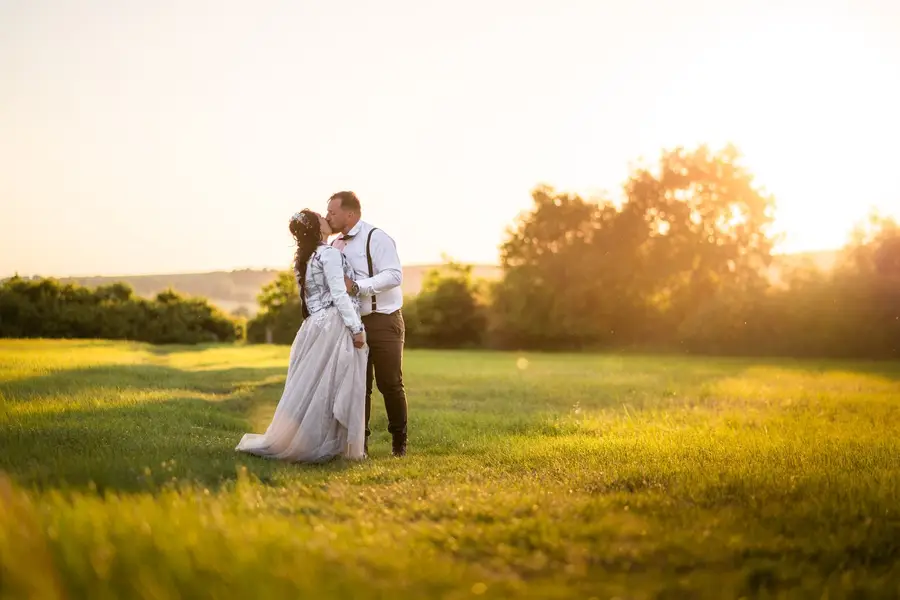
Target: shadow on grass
(182,435)
(127,378)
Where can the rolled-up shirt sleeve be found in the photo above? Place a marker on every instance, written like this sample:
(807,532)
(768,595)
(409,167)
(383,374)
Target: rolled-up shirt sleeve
(385,263)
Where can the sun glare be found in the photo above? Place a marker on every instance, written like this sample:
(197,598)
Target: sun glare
(810,110)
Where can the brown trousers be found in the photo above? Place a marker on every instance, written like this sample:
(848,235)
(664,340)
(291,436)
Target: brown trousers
(385,335)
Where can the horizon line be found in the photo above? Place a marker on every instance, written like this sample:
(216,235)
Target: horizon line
(269,268)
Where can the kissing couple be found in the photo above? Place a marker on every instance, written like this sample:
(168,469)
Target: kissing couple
(352,335)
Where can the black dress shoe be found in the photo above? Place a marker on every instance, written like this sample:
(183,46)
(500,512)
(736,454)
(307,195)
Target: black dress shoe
(399,446)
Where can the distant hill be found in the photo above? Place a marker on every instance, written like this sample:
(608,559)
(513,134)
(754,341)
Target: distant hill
(229,290)
(233,290)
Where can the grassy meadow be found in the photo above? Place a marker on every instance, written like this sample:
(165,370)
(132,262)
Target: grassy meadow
(529,476)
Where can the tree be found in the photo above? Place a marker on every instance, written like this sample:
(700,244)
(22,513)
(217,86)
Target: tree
(867,289)
(707,233)
(550,279)
(280,314)
(447,313)
(583,273)
(46,308)
(853,311)
(280,293)
(873,249)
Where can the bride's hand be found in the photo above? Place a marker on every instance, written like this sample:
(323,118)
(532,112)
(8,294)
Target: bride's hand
(349,283)
(359,340)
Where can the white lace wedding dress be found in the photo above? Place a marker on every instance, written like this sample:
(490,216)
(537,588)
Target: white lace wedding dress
(321,414)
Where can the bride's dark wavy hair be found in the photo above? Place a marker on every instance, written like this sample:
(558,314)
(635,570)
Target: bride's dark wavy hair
(307,233)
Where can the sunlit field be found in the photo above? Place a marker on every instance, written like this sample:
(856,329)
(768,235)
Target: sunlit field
(528,476)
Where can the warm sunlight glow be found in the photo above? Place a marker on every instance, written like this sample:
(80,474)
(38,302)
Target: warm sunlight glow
(176,137)
(812,108)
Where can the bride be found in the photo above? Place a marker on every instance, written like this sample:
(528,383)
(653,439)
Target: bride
(321,413)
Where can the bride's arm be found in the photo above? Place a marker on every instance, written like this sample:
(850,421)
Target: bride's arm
(334,276)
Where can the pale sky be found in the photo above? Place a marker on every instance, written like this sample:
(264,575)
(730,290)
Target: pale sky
(178,136)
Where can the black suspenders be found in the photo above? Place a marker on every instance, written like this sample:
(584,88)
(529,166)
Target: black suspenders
(369,259)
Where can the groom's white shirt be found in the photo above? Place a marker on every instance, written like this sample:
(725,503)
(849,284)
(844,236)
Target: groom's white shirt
(388,273)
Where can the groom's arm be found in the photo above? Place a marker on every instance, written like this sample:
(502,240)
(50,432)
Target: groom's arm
(385,263)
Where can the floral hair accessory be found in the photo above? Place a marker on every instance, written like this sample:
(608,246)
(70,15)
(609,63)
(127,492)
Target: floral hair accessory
(302,217)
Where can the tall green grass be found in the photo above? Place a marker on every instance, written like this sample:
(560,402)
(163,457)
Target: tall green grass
(531,476)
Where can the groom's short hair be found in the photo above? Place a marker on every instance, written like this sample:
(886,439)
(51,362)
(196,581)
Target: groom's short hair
(349,201)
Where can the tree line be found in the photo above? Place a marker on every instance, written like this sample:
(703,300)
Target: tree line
(681,264)
(46,308)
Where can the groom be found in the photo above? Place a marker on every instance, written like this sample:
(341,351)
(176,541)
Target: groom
(378,274)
